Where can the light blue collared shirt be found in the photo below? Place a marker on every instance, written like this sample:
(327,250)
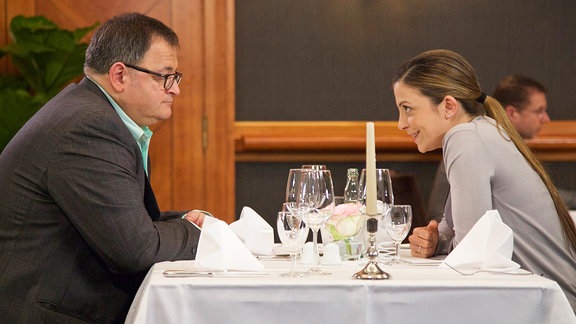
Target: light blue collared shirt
(142,135)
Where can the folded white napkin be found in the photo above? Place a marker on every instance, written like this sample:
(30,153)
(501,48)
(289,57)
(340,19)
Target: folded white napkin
(219,249)
(254,231)
(488,246)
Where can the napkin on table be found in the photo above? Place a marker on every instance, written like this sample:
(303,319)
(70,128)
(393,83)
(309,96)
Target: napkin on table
(254,231)
(219,249)
(488,246)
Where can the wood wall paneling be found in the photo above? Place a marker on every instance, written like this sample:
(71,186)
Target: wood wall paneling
(189,163)
(345,141)
(220,108)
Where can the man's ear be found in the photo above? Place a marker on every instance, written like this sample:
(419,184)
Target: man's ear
(511,111)
(117,76)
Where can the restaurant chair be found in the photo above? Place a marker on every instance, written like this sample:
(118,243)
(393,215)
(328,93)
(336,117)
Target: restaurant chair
(407,192)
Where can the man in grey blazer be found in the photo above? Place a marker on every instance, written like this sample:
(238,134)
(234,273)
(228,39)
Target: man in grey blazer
(79,224)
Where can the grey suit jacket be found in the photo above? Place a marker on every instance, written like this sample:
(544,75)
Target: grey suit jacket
(79,227)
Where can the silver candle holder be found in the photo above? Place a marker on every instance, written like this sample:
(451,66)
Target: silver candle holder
(372,270)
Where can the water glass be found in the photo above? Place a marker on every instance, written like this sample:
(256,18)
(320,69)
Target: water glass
(293,233)
(397,223)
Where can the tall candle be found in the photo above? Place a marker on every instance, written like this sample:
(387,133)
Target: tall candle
(370,170)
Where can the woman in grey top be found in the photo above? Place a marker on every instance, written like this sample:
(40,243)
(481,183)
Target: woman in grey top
(488,165)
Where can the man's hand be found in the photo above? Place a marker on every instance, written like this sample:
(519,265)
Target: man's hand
(196,217)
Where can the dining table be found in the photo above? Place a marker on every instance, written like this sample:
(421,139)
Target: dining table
(418,291)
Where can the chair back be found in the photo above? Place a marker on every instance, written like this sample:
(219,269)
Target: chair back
(407,192)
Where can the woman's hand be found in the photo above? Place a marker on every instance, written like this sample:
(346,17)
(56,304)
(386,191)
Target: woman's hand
(424,240)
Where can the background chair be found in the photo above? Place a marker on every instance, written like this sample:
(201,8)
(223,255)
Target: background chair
(407,192)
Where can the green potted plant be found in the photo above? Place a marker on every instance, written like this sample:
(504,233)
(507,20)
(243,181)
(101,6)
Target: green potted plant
(47,58)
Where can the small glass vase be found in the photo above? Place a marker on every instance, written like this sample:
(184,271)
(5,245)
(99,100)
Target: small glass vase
(351,248)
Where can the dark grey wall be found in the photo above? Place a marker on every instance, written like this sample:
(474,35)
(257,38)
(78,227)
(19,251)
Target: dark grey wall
(334,59)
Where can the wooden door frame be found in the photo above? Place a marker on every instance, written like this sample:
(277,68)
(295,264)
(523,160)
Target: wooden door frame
(203,154)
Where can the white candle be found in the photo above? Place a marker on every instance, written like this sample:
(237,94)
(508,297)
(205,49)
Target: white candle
(370,170)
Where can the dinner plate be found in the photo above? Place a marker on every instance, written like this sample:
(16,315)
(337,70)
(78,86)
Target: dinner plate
(386,249)
(385,245)
(280,250)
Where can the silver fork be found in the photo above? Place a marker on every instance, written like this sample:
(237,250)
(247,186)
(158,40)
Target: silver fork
(470,273)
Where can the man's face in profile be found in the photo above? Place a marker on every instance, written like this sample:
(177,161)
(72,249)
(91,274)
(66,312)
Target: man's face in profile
(529,119)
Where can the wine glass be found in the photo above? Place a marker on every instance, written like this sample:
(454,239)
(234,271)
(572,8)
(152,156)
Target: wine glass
(397,223)
(315,199)
(293,233)
(292,187)
(384,198)
(384,192)
(294,176)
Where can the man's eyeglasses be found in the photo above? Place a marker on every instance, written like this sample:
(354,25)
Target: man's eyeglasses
(168,78)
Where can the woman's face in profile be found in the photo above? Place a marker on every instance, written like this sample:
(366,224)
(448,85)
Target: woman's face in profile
(419,117)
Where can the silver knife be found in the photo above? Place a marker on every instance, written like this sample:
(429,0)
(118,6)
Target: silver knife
(190,273)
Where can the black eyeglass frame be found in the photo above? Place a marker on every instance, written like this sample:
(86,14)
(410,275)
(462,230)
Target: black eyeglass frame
(176,76)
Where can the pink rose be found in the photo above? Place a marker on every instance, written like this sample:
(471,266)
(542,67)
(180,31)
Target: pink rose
(345,221)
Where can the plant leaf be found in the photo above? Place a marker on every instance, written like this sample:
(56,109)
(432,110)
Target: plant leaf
(47,58)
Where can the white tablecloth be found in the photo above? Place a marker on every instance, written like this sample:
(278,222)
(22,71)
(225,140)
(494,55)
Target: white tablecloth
(414,294)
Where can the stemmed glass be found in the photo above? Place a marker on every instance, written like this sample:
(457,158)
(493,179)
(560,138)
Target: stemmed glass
(315,199)
(384,192)
(397,223)
(292,232)
(294,176)
(384,198)
(292,187)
